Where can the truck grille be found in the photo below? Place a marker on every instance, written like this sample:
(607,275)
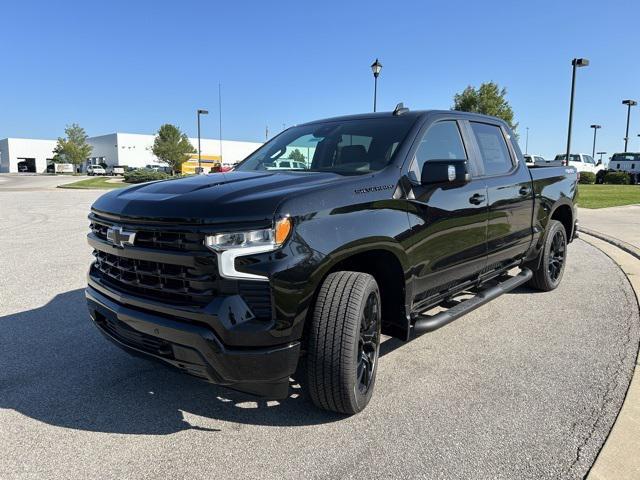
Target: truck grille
(196,285)
(165,240)
(159,281)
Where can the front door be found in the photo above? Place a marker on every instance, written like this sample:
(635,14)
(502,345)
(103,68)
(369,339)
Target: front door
(448,224)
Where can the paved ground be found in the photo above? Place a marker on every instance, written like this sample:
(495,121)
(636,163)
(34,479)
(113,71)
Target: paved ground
(618,222)
(526,387)
(30,182)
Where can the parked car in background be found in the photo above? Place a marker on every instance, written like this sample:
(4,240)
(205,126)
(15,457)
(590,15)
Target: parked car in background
(285,165)
(538,160)
(23,168)
(584,163)
(531,159)
(626,162)
(96,170)
(244,279)
(117,170)
(158,168)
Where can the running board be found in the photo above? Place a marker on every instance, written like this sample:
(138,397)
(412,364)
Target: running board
(430,323)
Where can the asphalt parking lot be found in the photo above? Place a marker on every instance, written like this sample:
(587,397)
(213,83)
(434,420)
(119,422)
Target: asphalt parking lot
(525,387)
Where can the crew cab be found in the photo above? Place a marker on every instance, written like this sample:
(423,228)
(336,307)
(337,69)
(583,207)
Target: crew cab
(402,222)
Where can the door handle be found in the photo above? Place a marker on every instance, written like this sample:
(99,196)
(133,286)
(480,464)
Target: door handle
(524,191)
(476,199)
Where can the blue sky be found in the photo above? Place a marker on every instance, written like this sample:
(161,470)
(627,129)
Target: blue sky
(130,66)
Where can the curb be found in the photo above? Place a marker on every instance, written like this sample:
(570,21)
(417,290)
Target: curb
(627,247)
(617,458)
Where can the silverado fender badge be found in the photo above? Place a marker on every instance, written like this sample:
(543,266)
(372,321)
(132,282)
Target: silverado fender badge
(119,237)
(377,188)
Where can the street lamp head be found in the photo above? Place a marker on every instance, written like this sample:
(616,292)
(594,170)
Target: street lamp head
(596,126)
(601,153)
(580,62)
(376,67)
(203,112)
(631,103)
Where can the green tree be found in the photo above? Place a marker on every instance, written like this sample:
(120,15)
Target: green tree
(172,147)
(298,156)
(73,148)
(489,99)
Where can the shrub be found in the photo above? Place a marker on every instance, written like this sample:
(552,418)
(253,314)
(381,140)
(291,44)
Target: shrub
(617,178)
(144,175)
(587,177)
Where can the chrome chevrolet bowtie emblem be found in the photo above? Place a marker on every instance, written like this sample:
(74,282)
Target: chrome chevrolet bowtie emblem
(119,237)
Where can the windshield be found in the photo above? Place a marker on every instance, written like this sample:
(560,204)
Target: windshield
(349,146)
(626,157)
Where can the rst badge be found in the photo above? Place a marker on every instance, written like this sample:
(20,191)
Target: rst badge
(119,237)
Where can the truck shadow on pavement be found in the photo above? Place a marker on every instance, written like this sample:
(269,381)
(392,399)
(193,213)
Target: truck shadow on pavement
(55,367)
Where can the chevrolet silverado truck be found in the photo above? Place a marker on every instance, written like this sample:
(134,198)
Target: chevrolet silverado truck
(400,223)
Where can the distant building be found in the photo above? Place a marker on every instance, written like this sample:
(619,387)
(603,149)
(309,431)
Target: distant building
(27,154)
(129,149)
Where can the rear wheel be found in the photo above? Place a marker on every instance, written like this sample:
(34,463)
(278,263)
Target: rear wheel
(344,343)
(553,258)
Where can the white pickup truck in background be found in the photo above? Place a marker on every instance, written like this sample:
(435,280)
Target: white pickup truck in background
(584,163)
(626,162)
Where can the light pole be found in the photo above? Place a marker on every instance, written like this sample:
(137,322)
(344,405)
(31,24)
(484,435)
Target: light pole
(629,104)
(601,153)
(376,68)
(595,129)
(576,62)
(200,112)
(526,145)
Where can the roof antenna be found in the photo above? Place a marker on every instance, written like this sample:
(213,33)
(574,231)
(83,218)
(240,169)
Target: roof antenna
(400,109)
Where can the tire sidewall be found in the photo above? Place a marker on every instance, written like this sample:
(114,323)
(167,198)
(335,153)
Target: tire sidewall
(361,400)
(555,227)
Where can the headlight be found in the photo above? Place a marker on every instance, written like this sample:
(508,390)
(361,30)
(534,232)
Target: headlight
(230,246)
(266,239)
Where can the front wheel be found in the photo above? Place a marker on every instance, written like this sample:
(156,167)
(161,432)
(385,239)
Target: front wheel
(553,257)
(344,343)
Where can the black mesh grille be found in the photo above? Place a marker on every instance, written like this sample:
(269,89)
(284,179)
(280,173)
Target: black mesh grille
(159,281)
(162,240)
(173,284)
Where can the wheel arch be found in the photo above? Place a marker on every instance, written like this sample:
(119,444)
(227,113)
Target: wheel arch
(564,214)
(386,262)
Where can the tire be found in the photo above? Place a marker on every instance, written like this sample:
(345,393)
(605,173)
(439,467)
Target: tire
(552,259)
(344,343)
(600,177)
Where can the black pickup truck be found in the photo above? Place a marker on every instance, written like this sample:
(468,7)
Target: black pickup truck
(399,223)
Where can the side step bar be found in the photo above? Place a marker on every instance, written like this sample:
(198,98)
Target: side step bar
(430,323)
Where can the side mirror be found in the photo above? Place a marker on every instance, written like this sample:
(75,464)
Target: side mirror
(599,162)
(448,172)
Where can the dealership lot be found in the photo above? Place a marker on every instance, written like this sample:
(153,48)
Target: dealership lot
(525,387)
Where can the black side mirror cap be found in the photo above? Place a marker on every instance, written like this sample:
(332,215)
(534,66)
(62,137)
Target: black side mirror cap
(448,172)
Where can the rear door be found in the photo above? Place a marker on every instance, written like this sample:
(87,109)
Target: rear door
(509,194)
(448,223)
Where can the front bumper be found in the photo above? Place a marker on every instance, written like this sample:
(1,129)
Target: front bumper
(195,349)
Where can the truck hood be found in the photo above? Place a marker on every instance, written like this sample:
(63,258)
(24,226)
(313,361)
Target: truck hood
(233,197)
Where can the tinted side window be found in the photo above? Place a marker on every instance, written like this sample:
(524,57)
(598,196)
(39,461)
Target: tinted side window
(441,142)
(493,148)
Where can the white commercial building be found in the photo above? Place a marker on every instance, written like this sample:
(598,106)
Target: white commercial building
(27,153)
(130,149)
